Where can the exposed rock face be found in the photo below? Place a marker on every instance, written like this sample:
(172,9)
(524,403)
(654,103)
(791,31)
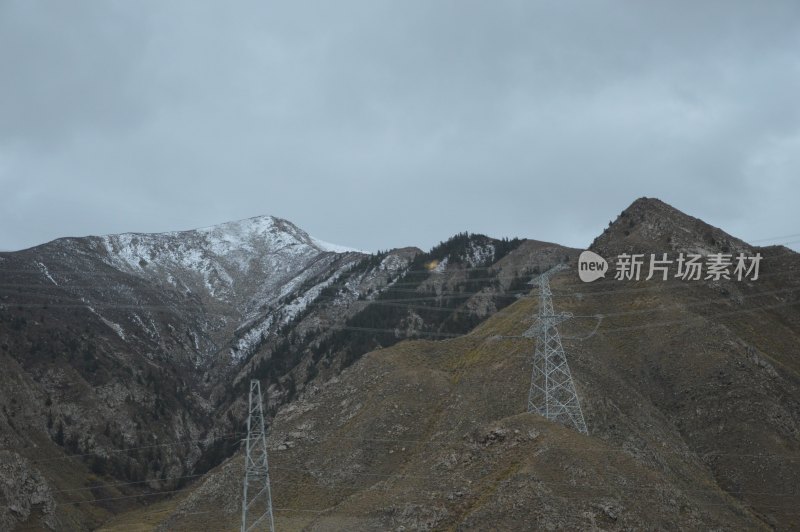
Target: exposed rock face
(117,342)
(114,348)
(24,492)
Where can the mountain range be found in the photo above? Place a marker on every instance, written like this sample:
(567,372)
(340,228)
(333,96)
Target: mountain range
(395,383)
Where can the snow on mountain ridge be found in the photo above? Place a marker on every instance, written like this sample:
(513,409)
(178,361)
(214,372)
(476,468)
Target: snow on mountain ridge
(258,327)
(335,248)
(236,242)
(230,282)
(246,265)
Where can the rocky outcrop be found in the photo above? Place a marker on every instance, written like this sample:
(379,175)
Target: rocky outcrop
(26,495)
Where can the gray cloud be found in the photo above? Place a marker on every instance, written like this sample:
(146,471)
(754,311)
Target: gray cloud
(379,124)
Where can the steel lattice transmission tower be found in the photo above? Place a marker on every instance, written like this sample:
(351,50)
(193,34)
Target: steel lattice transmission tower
(552,392)
(256,510)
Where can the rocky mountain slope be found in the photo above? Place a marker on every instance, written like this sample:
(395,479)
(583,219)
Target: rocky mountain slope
(114,348)
(691,392)
(106,344)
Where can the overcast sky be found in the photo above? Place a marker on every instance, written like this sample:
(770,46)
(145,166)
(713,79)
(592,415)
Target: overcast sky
(381,124)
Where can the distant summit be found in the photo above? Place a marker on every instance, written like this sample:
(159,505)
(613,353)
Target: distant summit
(649,225)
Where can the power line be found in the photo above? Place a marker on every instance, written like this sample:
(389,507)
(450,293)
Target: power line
(388,302)
(600,330)
(777,238)
(390,288)
(603,330)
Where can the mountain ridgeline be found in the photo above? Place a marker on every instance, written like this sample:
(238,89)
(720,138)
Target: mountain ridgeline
(114,348)
(395,383)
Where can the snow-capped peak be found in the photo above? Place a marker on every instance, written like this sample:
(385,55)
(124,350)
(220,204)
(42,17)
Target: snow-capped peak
(283,232)
(245,260)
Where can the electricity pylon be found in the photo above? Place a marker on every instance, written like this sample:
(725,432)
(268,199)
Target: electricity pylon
(552,392)
(256,467)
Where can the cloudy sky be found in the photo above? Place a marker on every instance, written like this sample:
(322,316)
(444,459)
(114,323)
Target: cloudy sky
(380,124)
